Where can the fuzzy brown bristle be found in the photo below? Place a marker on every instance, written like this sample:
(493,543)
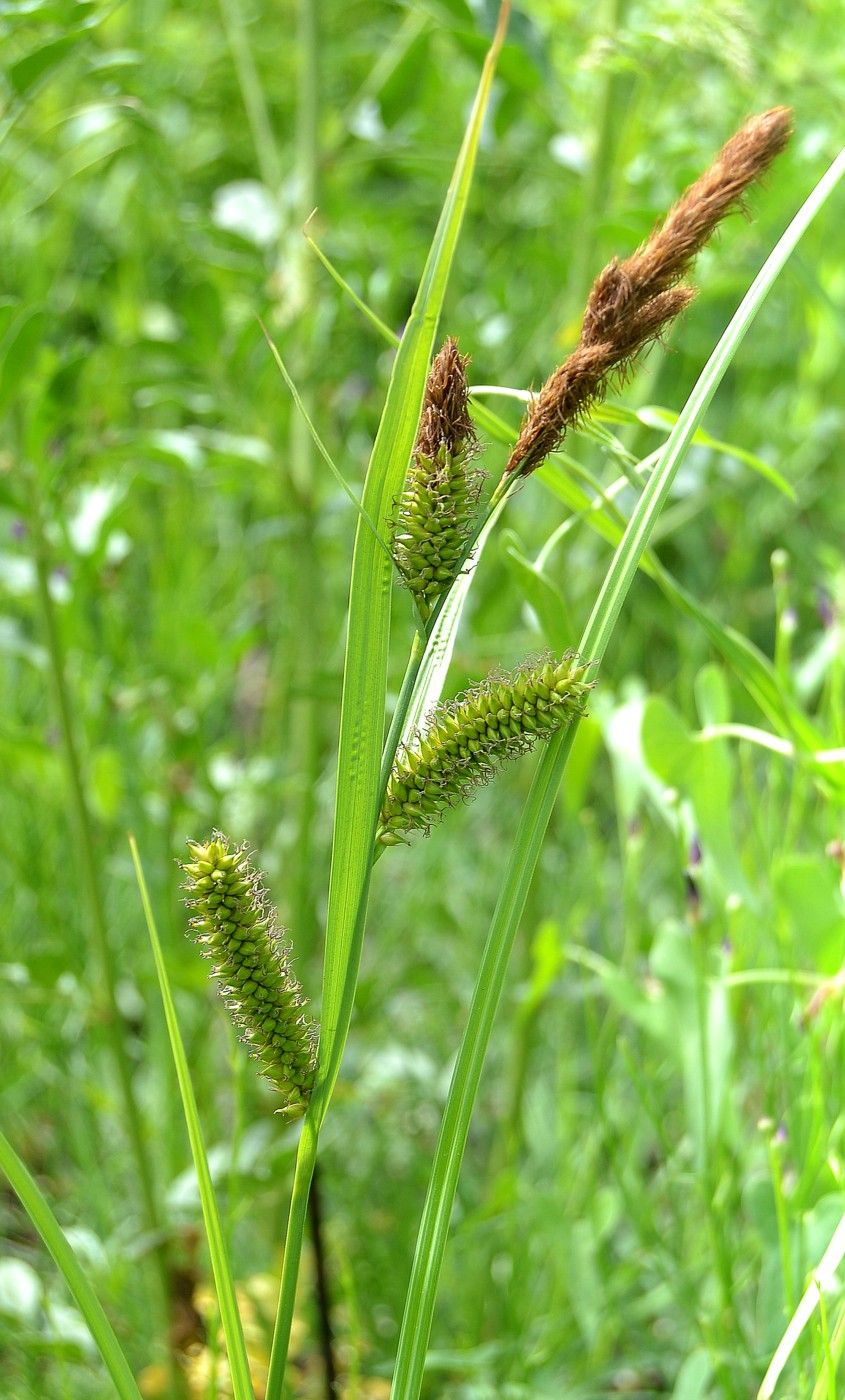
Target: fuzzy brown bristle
(437,511)
(669,253)
(445,420)
(632,302)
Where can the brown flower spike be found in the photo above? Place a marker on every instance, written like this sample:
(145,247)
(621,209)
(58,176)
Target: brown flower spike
(632,302)
(437,511)
(445,420)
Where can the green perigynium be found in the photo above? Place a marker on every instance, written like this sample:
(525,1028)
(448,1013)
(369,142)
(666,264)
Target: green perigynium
(236,928)
(438,508)
(464,741)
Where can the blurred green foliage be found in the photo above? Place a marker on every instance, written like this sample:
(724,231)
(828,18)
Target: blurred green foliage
(624,1222)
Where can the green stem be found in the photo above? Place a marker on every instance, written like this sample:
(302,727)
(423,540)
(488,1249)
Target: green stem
(109,1010)
(419,1304)
(397,724)
(306,1157)
(358,793)
(306,1161)
(261,130)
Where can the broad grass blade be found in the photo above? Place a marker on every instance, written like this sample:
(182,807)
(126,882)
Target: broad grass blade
(431,1240)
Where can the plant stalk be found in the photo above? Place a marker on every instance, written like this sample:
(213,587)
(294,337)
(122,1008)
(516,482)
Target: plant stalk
(252,95)
(108,1010)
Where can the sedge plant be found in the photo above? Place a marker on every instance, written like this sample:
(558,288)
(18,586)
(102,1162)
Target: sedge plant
(425,515)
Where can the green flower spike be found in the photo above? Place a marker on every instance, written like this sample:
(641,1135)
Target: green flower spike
(437,511)
(464,741)
(235,925)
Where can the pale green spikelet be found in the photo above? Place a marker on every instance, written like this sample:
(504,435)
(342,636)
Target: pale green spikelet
(236,928)
(438,508)
(465,740)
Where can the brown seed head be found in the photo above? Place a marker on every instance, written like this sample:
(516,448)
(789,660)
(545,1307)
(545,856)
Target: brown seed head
(670,251)
(632,302)
(445,420)
(437,511)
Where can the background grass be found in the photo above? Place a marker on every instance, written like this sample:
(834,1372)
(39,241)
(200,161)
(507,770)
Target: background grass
(654,1164)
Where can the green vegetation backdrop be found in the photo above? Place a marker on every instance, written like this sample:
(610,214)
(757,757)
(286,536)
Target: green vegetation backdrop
(655,1163)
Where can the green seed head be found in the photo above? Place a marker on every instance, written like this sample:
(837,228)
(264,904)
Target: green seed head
(236,928)
(436,513)
(464,742)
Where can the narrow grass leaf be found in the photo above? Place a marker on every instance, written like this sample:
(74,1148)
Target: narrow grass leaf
(320,445)
(86,1300)
(223,1281)
(366,311)
(825,1387)
(434,1226)
(823,1277)
(661,420)
(749,664)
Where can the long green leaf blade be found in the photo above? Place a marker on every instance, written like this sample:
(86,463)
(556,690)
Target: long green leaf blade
(86,1300)
(223,1281)
(431,1240)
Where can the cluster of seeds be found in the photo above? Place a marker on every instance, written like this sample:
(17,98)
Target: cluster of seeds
(438,508)
(465,741)
(235,926)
